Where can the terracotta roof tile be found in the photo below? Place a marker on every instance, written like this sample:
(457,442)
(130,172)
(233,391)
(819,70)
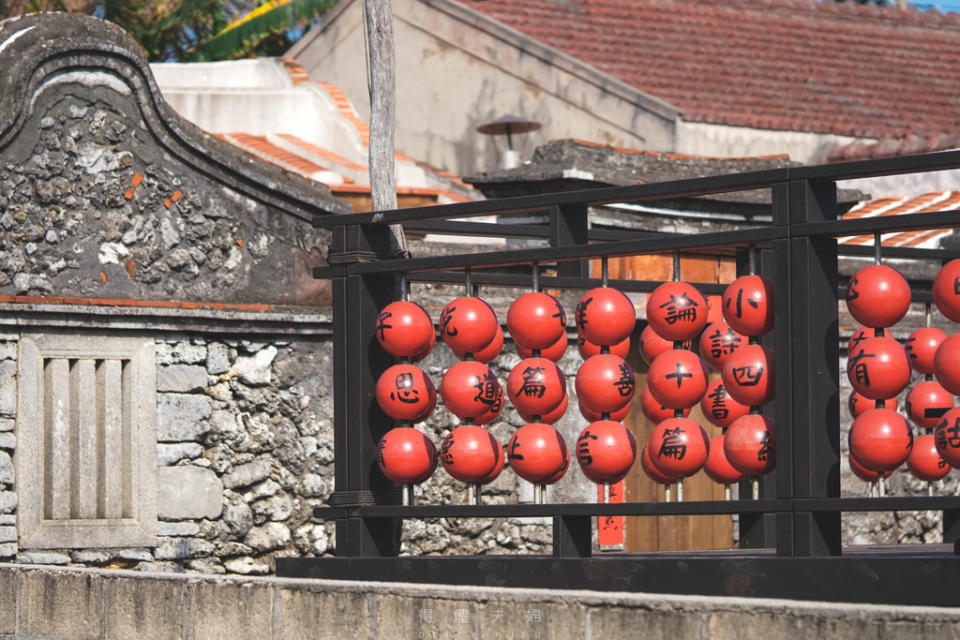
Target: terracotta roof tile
(830,67)
(894,206)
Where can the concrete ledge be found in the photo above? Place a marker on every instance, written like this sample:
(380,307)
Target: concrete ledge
(73,603)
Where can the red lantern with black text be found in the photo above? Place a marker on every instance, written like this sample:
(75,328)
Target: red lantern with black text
(748,305)
(471,454)
(653,410)
(718,468)
(406,456)
(605,316)
(946,364)
(467,325)
(471,391)
(878,296)
(550,417)
(606,451)
(750,445)
(536,386)
(536,320)
(947,437)
(404,329)
(922,348)
(678,447)
(554,352)
(652,344)
(878,368)
(748,375)
(858,403)
(652,472)
(605,383)
(862,472)
(489,352)
(925,462)
(678,378)
(718,342)
(859,336)
(406,393)
(719,407)
(587,349)
(946,290)
(537,452)
(927,403)
(880,439)
(677,311)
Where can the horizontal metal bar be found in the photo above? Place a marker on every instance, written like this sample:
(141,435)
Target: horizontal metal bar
(887,503)
(489,229)
(552,282)
(540,203)
(549,255)
(883,224)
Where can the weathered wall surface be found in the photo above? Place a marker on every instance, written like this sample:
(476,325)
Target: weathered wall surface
(71,604)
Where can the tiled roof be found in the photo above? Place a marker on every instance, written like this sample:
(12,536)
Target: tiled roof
(842,68)
(894,206)
(893,147)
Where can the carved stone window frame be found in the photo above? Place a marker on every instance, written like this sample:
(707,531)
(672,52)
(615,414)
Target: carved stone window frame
(131,465)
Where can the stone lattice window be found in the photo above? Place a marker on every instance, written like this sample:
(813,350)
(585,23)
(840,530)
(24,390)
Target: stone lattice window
(86,441)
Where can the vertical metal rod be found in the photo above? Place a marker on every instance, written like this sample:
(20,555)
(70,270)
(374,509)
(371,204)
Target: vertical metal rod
(606,492)
(537,498)
(927,315)
(752,260)
(666,493)
(604,270)
(407,495)
(471,494)
(727,493)
(881,486)
(404,287)
(536,276)
(877,241)
(929,488)
(679,489)
(755,488)
(543,493)
(872,489)
(468,284)
(676,266)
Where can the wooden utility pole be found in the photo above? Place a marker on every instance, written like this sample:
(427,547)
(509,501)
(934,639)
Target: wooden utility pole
(382,83)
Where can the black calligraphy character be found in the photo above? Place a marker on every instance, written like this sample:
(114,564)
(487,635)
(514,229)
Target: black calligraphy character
(673,444)
(488,391)
(860,372)
(382,325)
(908,345)
(766,447)
(380,448)
(533,382)
(445,318)
(445,454)
(956,286)
(560,314)
(680,308)
(405,392)
(608,523)
(625,382)
(852,293)
(721,343)
(512,454)
(748,376)
(717,407)
(583,447)
(948,437)
(679,374)
(582,311)
(739,310)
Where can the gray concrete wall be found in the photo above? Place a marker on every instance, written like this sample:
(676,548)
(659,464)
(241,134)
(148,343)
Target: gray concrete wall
(456,71)
(74,604)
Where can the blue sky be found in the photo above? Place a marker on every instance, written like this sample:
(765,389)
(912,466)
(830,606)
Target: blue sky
(942,5)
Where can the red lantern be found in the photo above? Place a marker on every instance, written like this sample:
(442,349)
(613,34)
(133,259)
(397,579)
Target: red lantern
(404,329)
(551,417)
(653,344)
(656,412)
(471,391)
(652,472)
(471,454)
(878,368)
(594,416)
(605,316)
(859,336)
(862,472)
(406,456)
(922,348)
(405,393)
(880,439)
(678,378)
(606,451)
(946,364)
(750,445)
(927,402)
(678,447)
(748,375)
(947,437)
(605,383)
(587,349)
(536,320)
(537,452)
(719,407)
(489,352)
(677,311)
(718,468)
(717,342)
(748,305)
(497,468)
(946,290)
(857,404)
(924,462)
(536,386)
(467,325)
(878,296)
(554,352)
